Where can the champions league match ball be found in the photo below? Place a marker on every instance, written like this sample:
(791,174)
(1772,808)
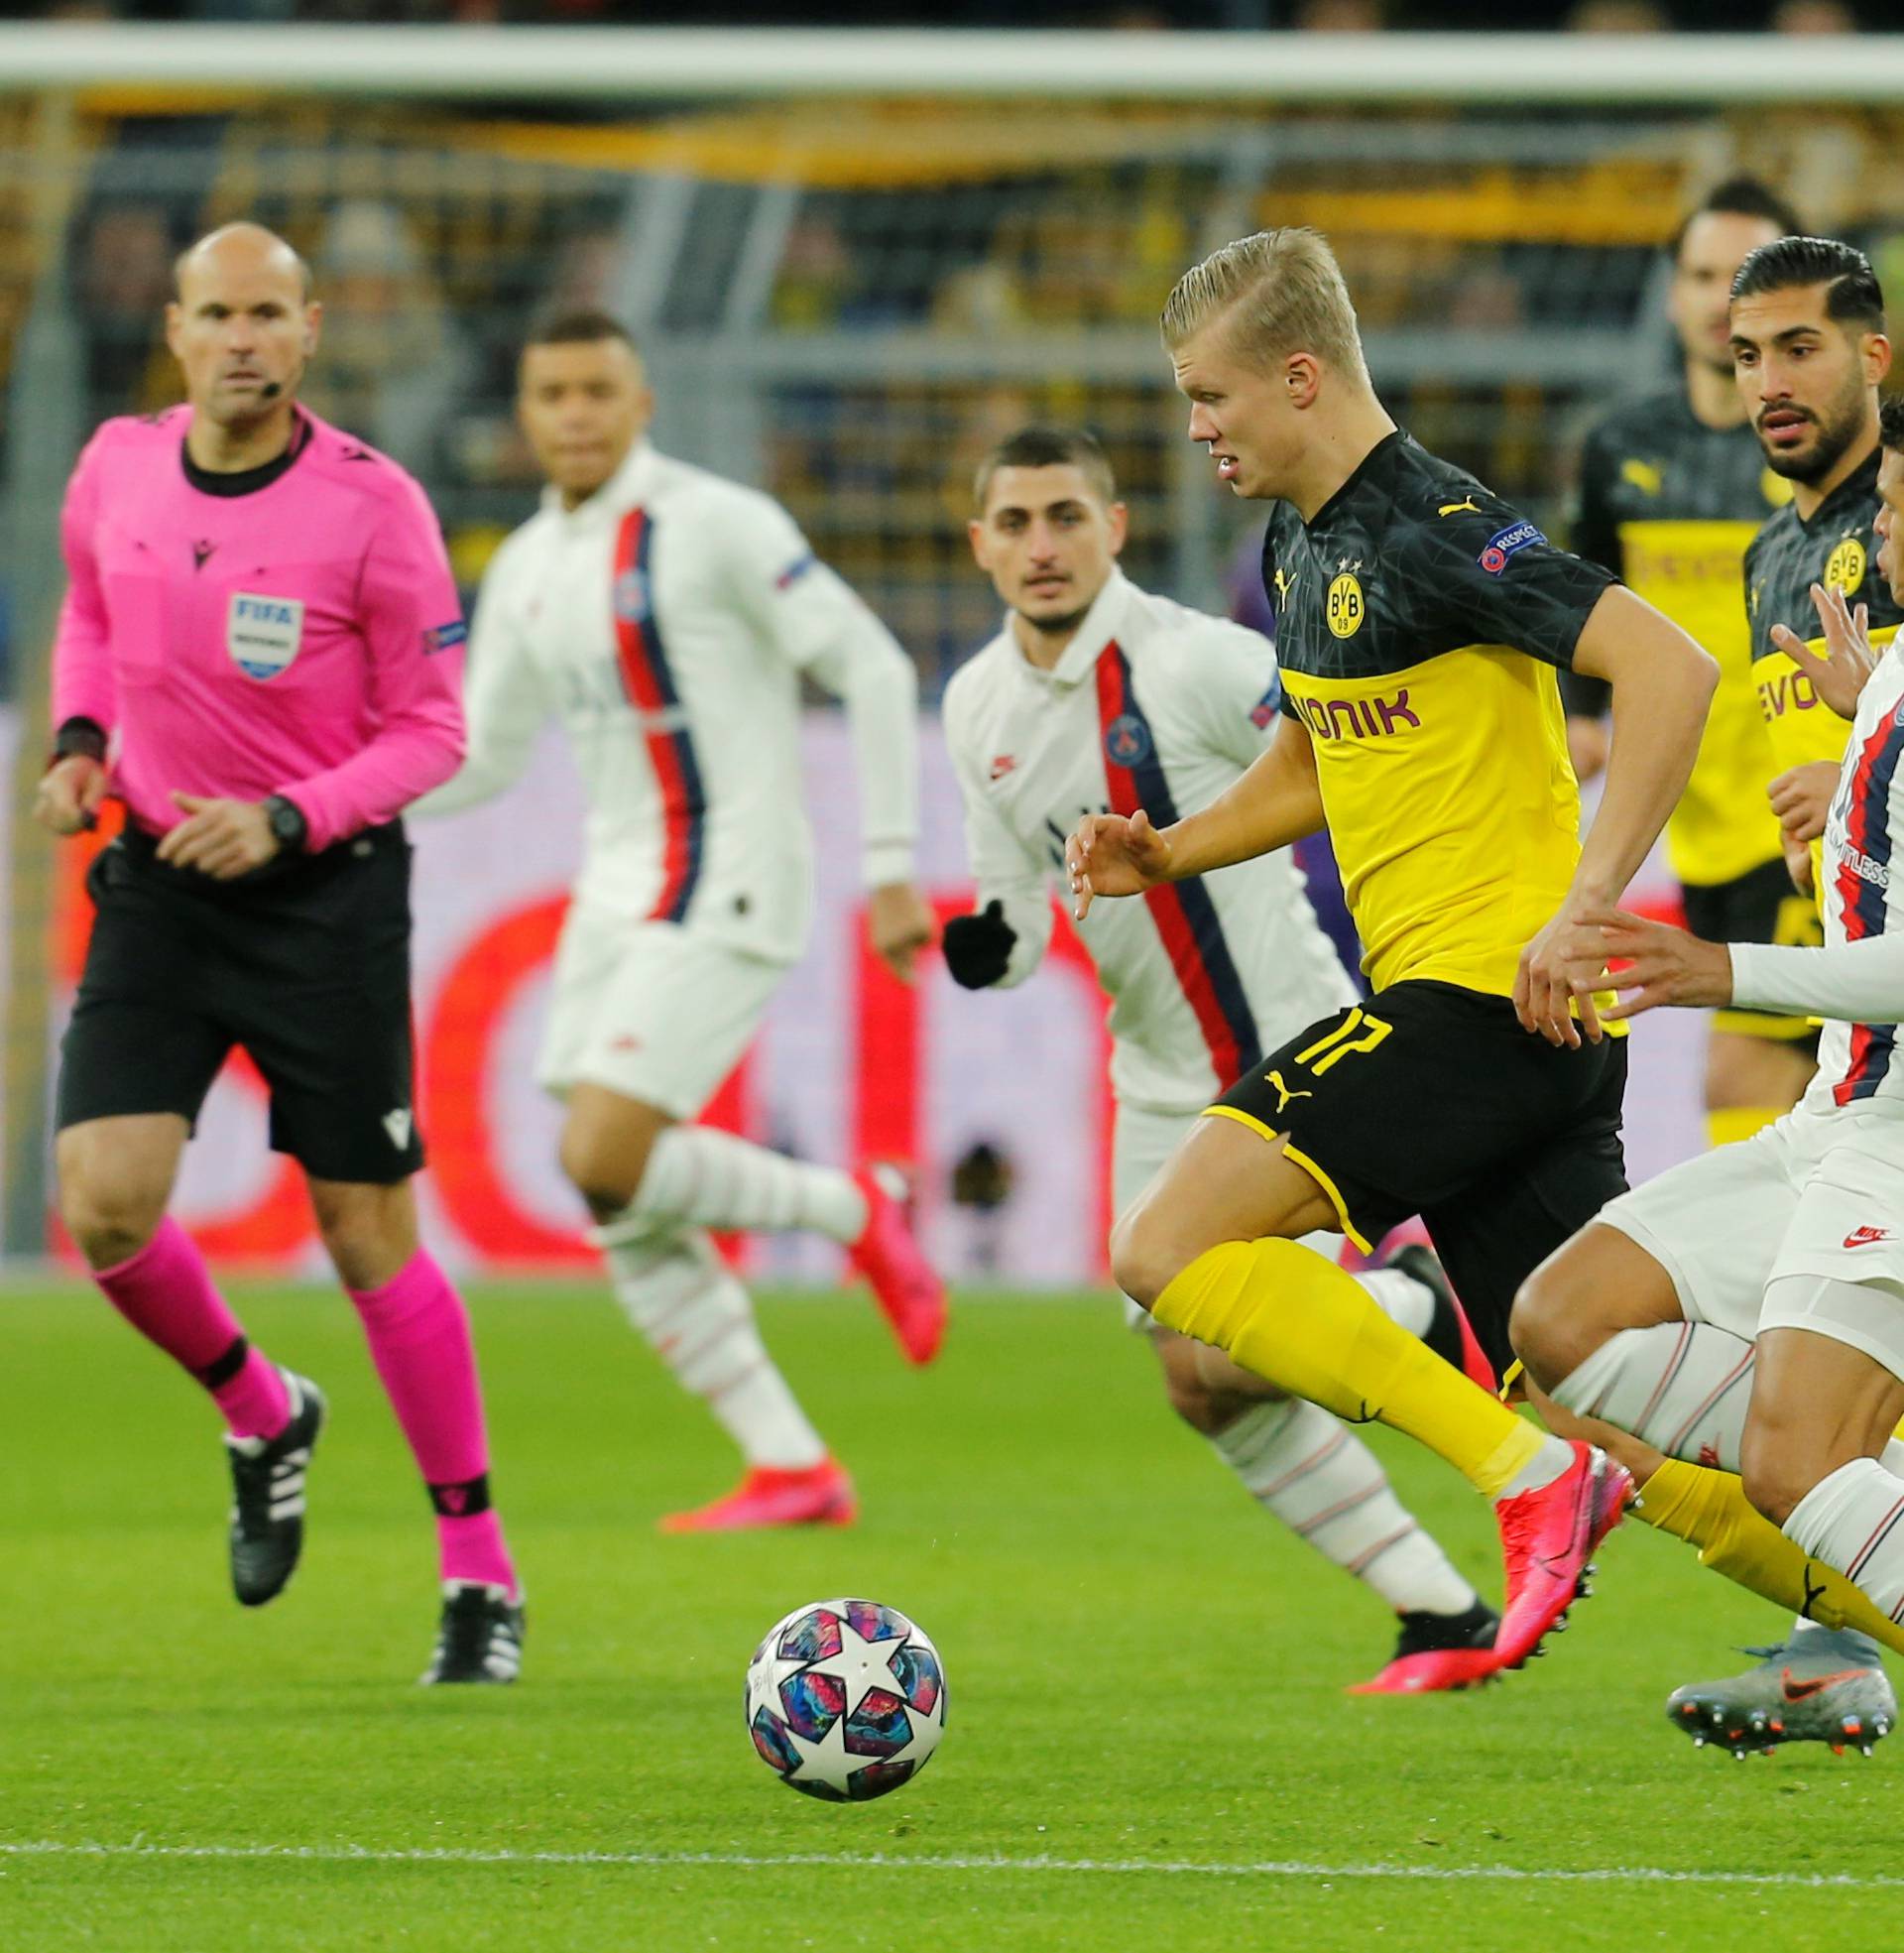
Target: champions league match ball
(845,1700)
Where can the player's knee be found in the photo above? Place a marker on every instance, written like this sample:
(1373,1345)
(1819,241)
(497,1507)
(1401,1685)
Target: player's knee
(1144,1255)
(605,1169)
(110,1214)
(1776,1467)
(110,1224)
(1553,1327)
(369,1232)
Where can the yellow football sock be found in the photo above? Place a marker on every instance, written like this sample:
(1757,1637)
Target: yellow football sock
(1728,1124)
(1297,1319)
(1709,1509)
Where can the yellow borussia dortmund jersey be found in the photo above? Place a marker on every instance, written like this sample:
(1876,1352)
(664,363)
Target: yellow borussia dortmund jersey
(1671,505)
(1835,547)
(1419,622)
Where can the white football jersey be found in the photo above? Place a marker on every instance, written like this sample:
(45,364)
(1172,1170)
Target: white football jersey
(1154,707)
(667,621)
(1860,899)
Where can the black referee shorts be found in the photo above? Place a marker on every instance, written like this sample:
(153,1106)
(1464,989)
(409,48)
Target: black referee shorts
(1430,1099)
(305,966)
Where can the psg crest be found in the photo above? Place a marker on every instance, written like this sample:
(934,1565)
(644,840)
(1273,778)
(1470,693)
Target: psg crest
(631,596)
(1127,739)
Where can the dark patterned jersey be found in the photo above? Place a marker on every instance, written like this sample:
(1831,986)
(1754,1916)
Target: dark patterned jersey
(1671,504)
(1787,557)
(1419,624)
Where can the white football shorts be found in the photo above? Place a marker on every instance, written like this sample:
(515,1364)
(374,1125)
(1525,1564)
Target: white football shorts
(1816,1193)
(1141,1141)
(649,1010)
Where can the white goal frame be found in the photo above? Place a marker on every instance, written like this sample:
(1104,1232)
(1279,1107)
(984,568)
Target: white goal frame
(633,65)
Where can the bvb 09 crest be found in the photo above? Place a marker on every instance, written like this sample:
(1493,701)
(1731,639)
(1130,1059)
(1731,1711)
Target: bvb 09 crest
(1346,607)
(1845,567)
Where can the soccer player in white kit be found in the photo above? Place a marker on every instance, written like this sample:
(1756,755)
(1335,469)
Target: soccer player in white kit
(1744,1312)
(1096,694)
(669,616)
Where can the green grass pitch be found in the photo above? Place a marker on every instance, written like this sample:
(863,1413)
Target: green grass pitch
(1148,1745)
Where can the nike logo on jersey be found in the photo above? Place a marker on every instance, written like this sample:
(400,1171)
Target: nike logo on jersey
(1283,1093)
(1863,1237)
(1455,508)
(201,553)
(1646,476)
(1797,1691)
(1002,764)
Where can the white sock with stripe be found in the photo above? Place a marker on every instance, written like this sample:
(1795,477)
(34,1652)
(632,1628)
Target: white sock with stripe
(1319,1478)
(1683,1388)
(677,1292)
(699,1178)
(1853,1519)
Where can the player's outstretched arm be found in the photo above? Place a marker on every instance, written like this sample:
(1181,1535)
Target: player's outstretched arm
(1858,982)
(1849,657)
(1276,801)
(1662,683)
(1660,965)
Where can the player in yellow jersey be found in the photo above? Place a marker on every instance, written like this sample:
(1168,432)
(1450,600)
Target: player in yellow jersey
(1611,1319)
(1673,485)
(1420,622)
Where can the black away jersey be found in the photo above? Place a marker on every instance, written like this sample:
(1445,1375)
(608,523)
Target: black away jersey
(1837,548)
(1419,624)
(1671,505)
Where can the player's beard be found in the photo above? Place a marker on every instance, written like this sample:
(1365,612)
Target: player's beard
(1838,427)
(1057,627)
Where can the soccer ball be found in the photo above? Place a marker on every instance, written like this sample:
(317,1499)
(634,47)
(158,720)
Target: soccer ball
(845,1699)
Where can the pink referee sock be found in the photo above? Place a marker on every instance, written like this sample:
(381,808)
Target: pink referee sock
(419,1341)
(166,1292)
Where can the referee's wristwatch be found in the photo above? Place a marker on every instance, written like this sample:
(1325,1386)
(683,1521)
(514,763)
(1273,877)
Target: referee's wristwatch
(289,826)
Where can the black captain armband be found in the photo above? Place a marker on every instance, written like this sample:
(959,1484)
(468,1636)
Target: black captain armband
(84,737)
(978,948)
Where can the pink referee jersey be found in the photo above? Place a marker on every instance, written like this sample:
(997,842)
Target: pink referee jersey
(300,638)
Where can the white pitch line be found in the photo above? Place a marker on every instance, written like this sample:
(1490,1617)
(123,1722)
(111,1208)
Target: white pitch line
(894,1862)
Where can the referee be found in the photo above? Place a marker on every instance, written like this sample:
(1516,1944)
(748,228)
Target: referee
(259,655)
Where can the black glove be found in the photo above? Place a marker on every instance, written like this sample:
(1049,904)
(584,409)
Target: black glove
(978,947)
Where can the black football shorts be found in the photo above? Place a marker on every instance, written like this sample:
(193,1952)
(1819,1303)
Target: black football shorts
(305,966)
(1430,1099)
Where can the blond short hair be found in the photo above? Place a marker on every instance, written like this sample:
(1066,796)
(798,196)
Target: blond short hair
(1277,291)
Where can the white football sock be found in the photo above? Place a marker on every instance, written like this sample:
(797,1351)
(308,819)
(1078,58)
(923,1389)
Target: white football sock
(1325,1485)
(699,1178)
(1407,1304)
(678,1293)
(1853,1519)
(1554,1460)
(1683,1388)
